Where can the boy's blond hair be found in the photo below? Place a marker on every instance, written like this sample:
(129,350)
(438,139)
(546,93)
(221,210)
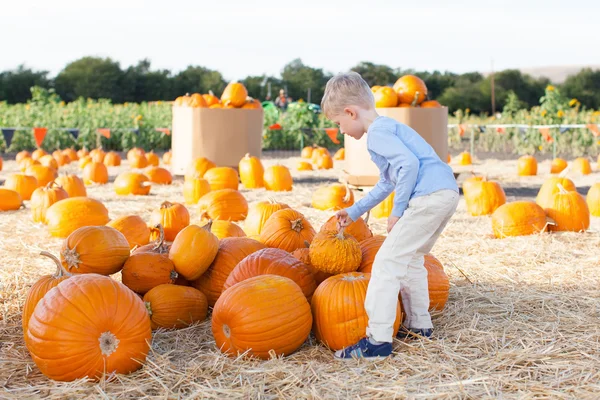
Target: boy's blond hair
(346,89)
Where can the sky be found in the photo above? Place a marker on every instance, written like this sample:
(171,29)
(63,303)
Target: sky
(241,38)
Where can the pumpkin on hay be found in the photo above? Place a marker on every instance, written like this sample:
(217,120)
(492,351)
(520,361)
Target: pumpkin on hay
(437,282)
(334,197)
(251,172)
(114,339)
(464,158)
(112,159)
(43,174)
(288,230)
(340,155)
(60,158)
(263,315)
(10,200)
(259,213)
(23,184)
(193,250)
(97,155)
(369,248)
(198,167)
(145,270)
(22,155)
(593,199)
(273,262)
(72,184)
(558,165)
(304,166)
(173,217)
(304,256)
(340,318)
(324,161)
(235,95)
(84,161)
(335,252)
(26,162)
(65,216)
(127,183)
(210,98)
(38,153)
(138,161)
(484,197)
(135,152)
(231,252)
(133,228)
(223,229)
(95,173)
(174,306)
(43,197)
(470,182)
(225,204)
(71,153)
(222,178)
(194,188)
(42,286)
(550,186)
(385,97)
(518,218)
(411,90)
(278,179)
(431,104)
(359,229)
(318,152)
(94,249)
(158,175)
(49,161)
(527,166)
(82,153)
(307,152)
(569,211)
(582,166)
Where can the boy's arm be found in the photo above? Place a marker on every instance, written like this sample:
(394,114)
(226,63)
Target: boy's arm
(402,160)
(374,197)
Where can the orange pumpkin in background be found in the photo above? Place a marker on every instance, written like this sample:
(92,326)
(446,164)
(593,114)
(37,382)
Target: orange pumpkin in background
(411,90)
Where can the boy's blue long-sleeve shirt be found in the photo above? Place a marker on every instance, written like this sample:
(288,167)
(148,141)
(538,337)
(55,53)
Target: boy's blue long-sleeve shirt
(408,165)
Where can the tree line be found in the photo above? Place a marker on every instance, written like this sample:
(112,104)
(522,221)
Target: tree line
(93,77)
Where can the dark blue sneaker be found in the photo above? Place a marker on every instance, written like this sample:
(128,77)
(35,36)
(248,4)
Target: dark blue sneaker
(364,349)
(413,333)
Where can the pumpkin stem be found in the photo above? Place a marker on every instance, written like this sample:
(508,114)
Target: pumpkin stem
(50,184)
(166,204)
(208,225)
(247,155)
(340,234)
(297,225)
(161,236)
(71,258)
(561,189)
(174,275)
(307,244)
(226,331)
(148,307)
(60,271)
(347,196)
(211,93)
(108,343)
(22,206)
(565,171)
(414,102)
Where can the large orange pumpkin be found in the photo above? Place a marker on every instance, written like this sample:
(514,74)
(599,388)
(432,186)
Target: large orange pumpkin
(304,256)
(41,287)
(558,165)
(72,184)
(275,262)
(569,211)
(133,228)
(333,197)
(593,199)
(26,163)
(385,97)
(222,178)
(198,168)
(464,158)
(226,204)
(112,159)
(484,197)
(193,250)
(43,174)
(278,179)
(132,183)
(152,159)
(43,197)
(411,89)
(359,229)
(159,176)
(10,200)
(335,252)
(147,269)
(224,229)
(22,155)
(95,173)
(369,248)
(231,252)
(324,161)
(437,282)
(38,153)
(49,161)
(251,172)
(527,166)
(288,230)
(115,337)
(175,307)
(259,213)
(23,184)
(65,216)
(340,319)
(172,216)
(194,188)
(518,218)
(94,249)
(235,94)
(261,315)
(545,197)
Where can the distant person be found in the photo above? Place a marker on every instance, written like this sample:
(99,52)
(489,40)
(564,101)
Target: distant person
(282,101)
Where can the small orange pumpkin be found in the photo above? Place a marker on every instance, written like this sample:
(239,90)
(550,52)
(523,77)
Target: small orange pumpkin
(21,155)
(593,199)
(38,153)
(235,94)
(167,157)
(174,306)
(527,166)
(411,90)
(43,197)
(25,185)
(43,174)
(287,229)
(251,172)
(72,184)
(222,178)
(210,98)
(558,165)
(159,175)
(304,166)
(324,162)
(194,189)
(545,197)
(112,159)
(49,161)
(278,179)
(173,217)
(138,161)
(127,183)
(10,200)
(259,213)
(193,250)
(307,152)
(484,197)
(133,228)
(198,168)
(582,166)
(152,159)
(225,204)
(385,97)
(95,173)
(197,101)
(464,158)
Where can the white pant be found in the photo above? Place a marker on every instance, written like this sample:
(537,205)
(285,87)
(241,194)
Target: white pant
(399,264)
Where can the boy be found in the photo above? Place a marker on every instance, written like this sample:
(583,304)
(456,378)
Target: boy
(426,196)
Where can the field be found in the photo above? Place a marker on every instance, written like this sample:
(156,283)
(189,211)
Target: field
(521,321)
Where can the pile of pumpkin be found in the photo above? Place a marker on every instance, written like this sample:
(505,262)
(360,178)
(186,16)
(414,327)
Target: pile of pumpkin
(319,157)
(267,291)
(408,91)
(528,166)
(235,95)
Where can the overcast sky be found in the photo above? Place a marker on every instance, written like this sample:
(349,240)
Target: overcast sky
(241,38)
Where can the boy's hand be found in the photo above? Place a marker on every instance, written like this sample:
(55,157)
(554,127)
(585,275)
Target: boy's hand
(391,222)
(343,219)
